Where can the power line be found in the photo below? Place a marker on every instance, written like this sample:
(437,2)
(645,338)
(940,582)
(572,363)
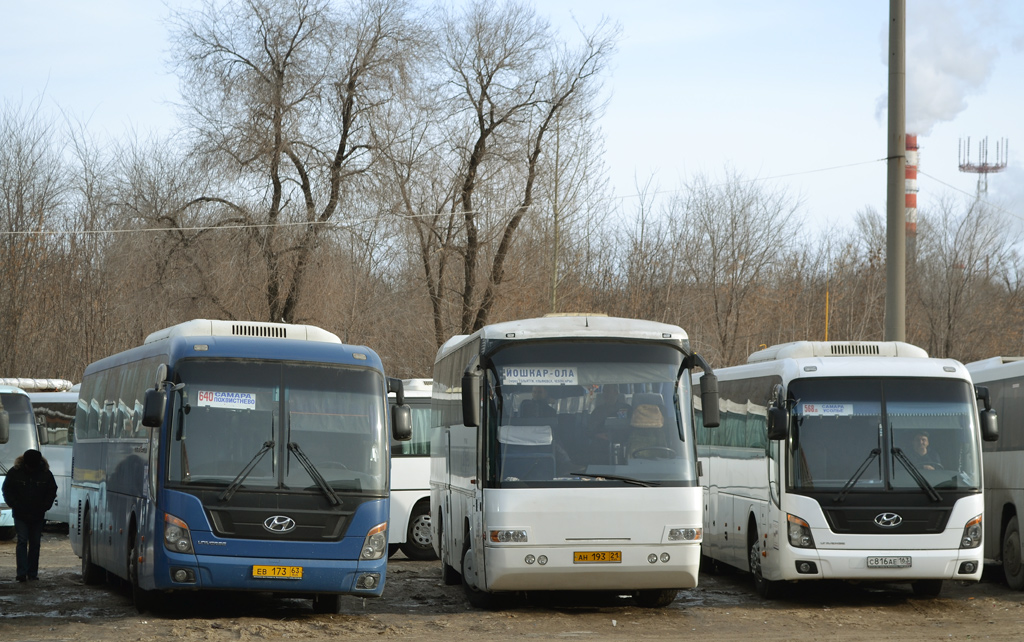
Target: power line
(353,222)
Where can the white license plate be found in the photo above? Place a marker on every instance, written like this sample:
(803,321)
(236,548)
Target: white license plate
(891,561)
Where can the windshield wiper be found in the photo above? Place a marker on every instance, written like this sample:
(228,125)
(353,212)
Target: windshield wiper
(314,473)
(628,480)
(916,474)
(236,483)
(875,452)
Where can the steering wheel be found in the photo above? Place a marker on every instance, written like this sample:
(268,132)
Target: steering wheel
(668,452)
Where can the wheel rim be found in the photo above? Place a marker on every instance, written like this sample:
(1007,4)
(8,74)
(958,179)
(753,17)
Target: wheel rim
(755,560)
(419,533)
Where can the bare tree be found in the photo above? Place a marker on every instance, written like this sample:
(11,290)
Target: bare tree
(468,177)
(734,235)
(279,99)
(961,250)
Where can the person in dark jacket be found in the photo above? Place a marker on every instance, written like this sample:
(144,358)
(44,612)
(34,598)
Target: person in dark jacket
(29,490)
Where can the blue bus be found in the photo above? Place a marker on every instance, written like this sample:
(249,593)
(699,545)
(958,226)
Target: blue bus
(236,455)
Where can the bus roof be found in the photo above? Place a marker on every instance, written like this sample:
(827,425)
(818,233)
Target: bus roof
(995,368)
(802,349)
(37,385)
(247,340)
(262,329)
(572,326)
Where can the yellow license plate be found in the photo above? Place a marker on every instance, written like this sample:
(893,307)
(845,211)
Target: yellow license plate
(597,557)
(278,572)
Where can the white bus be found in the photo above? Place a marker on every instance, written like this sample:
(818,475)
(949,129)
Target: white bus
(563,458)
(18,433)
(1004,464)
(409,529)
(846,460)
(54,403)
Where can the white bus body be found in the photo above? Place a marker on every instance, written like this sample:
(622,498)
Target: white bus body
(1004,466)
(409,529)
(809,475)
(22,435)
(562,493)
(55,413)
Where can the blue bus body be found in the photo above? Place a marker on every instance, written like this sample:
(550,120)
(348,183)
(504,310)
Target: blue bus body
(139,496)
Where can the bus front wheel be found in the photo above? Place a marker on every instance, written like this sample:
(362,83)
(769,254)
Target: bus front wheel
(449,575)
(418,545)
(91,573)
(767,589)
(478,598)
(143,600)
(1013,564)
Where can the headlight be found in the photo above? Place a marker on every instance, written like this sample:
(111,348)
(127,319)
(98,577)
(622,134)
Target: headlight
(177,537)
(685,534)
(972,534)
(799,532)
(376,543)
(509,536)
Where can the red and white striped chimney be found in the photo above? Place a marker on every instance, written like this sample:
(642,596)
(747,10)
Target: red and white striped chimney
(911,176)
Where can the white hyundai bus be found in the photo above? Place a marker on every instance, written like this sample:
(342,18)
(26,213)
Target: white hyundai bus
(563,458)
(846,460)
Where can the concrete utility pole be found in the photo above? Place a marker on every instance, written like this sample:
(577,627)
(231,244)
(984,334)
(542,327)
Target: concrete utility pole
(895,197)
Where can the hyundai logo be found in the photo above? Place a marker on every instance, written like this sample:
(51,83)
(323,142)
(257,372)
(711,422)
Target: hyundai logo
(282,524)
(888,520)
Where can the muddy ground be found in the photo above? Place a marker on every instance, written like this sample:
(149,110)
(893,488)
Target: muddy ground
(418,606)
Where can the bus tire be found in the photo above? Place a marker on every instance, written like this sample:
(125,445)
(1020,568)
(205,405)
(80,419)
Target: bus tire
(7,533)
(655,598)
(927,588)
(449,575)
(91,573)
(142,599)
(767,589)
(1013,565)
(477,598)
(329,603)
(418,545)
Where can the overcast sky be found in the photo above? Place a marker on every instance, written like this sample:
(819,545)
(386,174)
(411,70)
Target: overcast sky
(789,91)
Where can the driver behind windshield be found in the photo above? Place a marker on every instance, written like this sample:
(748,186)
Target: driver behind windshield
(919,453)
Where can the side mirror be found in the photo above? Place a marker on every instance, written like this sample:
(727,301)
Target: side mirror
(989,425)
(709,400)
(5,427)
(154,407)
(401,422)
(471,398)
(396,386)
(44,437)
(778,423)
(981,392)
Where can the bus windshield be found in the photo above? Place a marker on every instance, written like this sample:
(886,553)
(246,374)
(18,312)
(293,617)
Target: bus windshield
(23,428)
(232,414)
(573,413)
(883,434)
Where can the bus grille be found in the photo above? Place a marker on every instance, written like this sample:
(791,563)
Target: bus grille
(860,520)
